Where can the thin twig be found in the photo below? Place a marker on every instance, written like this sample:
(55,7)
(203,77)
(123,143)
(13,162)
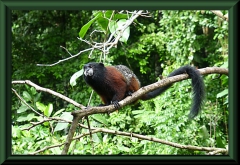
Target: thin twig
(38,88)
(105,46)
(26,103)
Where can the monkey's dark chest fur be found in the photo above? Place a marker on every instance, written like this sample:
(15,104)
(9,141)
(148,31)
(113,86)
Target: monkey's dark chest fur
(101,85)
(108,85)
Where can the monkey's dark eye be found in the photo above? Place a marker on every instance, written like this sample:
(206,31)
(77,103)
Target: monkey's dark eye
(87,66)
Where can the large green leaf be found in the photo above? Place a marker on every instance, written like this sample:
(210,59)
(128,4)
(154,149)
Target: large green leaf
(61,125)
(114,29)
(23,108)
(85,28)
(100,118)
(27,96)
(40,106)
(223,93)
(103,23)
(26,118)
(48,110)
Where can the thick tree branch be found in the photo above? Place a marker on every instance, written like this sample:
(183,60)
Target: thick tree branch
(220,14)
(71,134)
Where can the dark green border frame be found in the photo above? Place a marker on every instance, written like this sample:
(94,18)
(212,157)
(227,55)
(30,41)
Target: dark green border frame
(5,73)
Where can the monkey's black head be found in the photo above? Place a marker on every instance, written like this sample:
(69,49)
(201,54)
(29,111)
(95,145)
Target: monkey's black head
(92,68)
(93,72)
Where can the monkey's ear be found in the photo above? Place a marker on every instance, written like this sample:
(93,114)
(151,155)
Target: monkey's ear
(101,63)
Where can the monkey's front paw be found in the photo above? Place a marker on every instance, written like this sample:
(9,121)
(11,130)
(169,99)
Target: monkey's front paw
(116,104)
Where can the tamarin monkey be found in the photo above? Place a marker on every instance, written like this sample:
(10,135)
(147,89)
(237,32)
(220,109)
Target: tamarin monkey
(114,83)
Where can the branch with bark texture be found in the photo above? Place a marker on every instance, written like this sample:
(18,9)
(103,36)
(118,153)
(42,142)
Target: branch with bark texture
(220,14)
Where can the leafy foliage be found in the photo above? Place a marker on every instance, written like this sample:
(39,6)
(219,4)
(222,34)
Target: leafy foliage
(152,46)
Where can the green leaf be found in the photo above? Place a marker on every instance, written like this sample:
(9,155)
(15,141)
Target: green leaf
(138,112)
(39,118)
(26,133)
(41,106)
(224,65)
(120,16)
(96,138)
(23,108)
(105,138)
(26,118)
(46,123)
(103,23)
(58,112)
(223,93)
(115,26)
(48,110)
(122,148)
(100,119)
(27,96)
(30,116)
(56,150)
(220,142)
(204,132)
(85,28)
(37,97)
(21,118)
(16,132)
(33,90)
(61,125)
(108,14)
(75,76)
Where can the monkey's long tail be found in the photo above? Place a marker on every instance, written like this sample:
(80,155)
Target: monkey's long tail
(197,85)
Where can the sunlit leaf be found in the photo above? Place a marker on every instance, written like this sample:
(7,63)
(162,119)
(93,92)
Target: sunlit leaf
(75,76)
(116,26)
(48,110)
(223,93)
(100,118)
(23,108)
(41,106)
(62,125)
(27,96)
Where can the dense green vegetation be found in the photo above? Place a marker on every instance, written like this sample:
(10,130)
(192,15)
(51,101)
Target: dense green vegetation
(155,44)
